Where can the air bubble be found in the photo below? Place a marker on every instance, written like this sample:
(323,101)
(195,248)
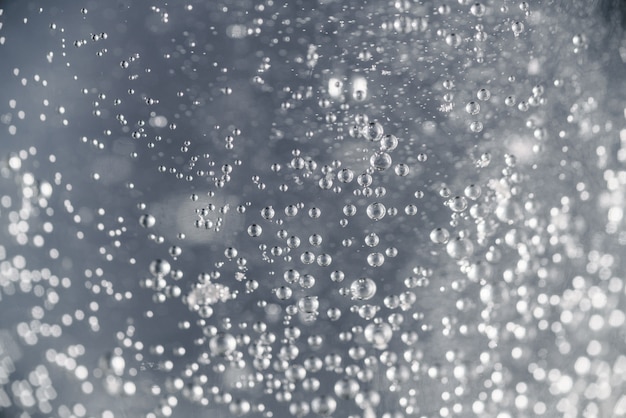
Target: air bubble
(363,288)
(389,143)
(459,248)
(380,161)
(255,230)
(473,108)
(517,28)
(160,267)
(439,235)
(373,131)
(376,211)
(222,344)
(147,220)
(375,259)
(483,94)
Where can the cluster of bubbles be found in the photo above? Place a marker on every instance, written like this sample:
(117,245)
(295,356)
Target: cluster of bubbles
(363,210)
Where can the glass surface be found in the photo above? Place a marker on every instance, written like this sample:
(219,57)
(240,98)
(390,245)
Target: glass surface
(275,208)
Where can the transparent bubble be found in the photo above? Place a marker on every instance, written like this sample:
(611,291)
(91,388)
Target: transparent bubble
(459,248)
(509,211)
(380,161)
(388,143)
(345,175)
(454,40)
(160,267)
(410,210)
(363,288)
(268,212)
(347,388)
(458,204)
(439,235)
(315,213)
(579,40)
(291,276)
(473,108)
(337,276)
(230,253)
(364,180)
(375,259)
(476,126)
(483,94)
(291,210)
(283,292)
(324,260)
(473,191)
(376,211)
(402,170)
(239,407)
(222,344)
(373,131)
(477,9)
(147,220)
(349,210)
(372,239)
(334,314)
(255,230)
(479,271)
(308,304)
(324,405)
(175,251)
(378,335)
(510,101)
(517,28)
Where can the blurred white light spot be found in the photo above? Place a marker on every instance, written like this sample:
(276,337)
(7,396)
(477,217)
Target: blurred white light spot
(158,122)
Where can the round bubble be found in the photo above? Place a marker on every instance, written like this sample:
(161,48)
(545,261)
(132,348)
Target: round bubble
(439,235)
(363,288)
(147,220)
(380,161)
(376,211)
(160,267)
(222,344)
